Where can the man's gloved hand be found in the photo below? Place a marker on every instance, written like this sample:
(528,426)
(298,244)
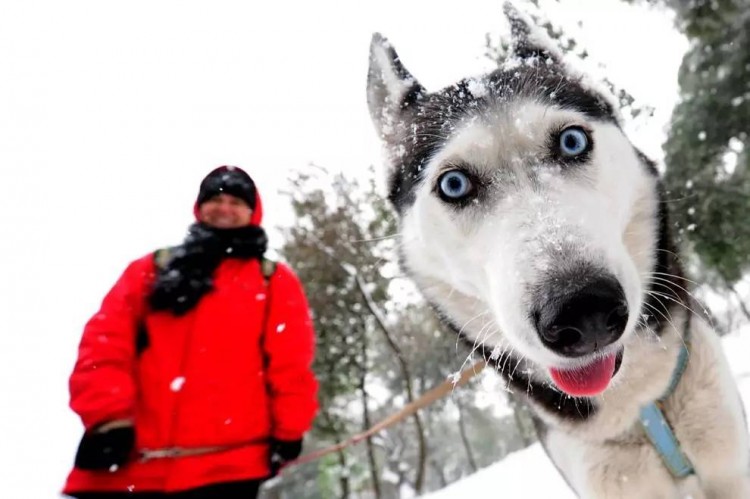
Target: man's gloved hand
(281,452)
(106,447)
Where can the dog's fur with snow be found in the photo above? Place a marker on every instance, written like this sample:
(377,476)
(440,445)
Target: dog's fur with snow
(536,224)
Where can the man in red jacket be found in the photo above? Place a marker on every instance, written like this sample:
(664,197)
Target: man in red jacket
(193,380)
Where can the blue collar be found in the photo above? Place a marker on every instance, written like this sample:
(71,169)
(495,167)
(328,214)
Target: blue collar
(657,427)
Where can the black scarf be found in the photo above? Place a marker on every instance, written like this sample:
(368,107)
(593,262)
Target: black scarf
(188,274)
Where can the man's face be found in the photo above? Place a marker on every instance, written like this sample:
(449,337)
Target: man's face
(225,212)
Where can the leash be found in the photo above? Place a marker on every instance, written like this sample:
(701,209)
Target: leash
(175,452)
(657,428)
(426,399)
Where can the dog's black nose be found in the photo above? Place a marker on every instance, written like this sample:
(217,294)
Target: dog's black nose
(579,323)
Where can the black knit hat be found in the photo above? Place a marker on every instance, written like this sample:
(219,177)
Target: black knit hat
(227,180)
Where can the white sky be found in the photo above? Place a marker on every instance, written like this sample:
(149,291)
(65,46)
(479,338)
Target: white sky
(112,112)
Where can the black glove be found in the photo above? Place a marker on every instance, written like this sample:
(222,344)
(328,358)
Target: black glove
(281,452)
(105,450)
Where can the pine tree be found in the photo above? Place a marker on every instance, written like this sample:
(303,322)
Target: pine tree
(708,166)
(339,246)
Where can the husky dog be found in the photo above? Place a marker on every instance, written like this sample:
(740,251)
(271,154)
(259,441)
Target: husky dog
(540,234)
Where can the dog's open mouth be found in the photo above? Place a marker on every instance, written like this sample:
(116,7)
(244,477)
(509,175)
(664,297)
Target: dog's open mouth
(590,379)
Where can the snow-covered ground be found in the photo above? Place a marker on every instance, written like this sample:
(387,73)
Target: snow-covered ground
(529,473)
(526,473)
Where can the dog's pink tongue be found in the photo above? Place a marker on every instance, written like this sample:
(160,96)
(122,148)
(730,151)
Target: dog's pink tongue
(585,381)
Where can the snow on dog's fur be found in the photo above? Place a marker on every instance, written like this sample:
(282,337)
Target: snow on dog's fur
(540,234)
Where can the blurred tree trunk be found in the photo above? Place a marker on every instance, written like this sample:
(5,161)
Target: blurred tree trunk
(344,475)
(344,479)
(440,472)
(406,373)
(366,424)
(465,437)
(737,295)
(523,420)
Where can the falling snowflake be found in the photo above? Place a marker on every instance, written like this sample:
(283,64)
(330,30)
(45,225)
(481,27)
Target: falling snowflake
(176,384)
(477,88)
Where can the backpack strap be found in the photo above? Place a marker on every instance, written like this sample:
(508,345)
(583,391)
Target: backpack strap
(161,257)
(267,267)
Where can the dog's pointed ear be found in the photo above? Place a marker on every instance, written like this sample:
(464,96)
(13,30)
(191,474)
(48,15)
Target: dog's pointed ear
(390,87)
(527,39)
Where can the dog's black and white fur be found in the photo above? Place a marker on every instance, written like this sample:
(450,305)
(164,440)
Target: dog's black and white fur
(540,234)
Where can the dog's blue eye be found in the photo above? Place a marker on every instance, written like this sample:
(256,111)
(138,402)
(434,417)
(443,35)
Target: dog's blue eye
(573,141)
(455,185)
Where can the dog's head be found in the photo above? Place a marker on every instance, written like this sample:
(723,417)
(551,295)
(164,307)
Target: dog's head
(527,217)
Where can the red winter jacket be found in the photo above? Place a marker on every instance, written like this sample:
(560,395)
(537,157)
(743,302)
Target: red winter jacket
(202,381)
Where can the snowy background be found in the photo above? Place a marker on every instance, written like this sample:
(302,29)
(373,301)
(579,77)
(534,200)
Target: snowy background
(112,112)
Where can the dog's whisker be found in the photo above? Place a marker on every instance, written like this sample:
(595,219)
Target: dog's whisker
(667,274)
(665,314)
(704,308)
(676,301)
(649,329)
(376,239)
(664,284)
(518,362)
(507,358)
(477,343)
(484,333)
(669,320)
(466,324)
